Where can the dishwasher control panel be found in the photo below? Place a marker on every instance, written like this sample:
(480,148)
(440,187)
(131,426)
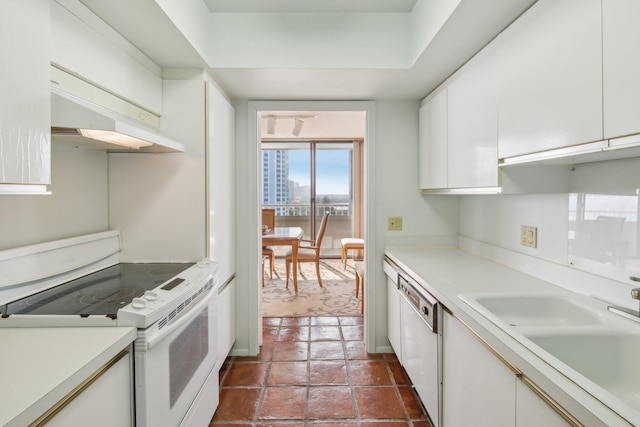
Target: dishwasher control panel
(425,303)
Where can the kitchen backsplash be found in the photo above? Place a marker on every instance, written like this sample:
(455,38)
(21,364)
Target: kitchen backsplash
(591,230)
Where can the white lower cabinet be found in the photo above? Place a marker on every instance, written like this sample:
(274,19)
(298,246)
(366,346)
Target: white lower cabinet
(227,321)
(393,301)
(531,411)
(478,389)
(106,402)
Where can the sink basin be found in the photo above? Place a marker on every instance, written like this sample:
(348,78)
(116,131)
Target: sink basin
(543,310)
(577,336)
(608,360)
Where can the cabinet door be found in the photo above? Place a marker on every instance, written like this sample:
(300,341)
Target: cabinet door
(25,140)
(433,142)
(533,411)
(472,103)
(88,47)
(107,402)
(478,390)
(227,324)
(621,67)
(221,180)
(393,329)
(550,78)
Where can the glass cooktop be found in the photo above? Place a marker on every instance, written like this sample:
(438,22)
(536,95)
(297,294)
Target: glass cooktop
(99,293)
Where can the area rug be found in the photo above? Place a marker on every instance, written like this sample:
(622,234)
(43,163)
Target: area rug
(336,297)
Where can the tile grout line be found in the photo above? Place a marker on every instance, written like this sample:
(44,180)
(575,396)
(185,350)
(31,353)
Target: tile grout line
(347,367)
(263,388)
(306,403)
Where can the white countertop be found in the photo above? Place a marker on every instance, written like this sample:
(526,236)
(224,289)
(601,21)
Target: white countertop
(448,272)
(39,366)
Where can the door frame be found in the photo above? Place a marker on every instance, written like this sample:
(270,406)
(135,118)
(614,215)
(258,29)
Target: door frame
(252,204)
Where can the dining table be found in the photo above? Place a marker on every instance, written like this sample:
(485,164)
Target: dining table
(286,236)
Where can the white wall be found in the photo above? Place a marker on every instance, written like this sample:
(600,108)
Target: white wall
(496,220)
(157,201)
(78,203)
(246,230)
(396,191)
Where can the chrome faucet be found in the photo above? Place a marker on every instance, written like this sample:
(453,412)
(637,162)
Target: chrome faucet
(626,312)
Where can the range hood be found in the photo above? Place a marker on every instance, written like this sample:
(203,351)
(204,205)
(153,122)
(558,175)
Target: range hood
(81,123)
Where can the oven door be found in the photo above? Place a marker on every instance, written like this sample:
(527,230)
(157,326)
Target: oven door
(174,368)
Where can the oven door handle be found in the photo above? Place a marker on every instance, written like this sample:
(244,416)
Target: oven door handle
(178,322)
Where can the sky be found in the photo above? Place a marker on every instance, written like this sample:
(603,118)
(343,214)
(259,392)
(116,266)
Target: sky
(332,169)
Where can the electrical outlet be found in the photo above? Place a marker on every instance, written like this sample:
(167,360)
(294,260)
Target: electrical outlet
(394,223)
(529,236)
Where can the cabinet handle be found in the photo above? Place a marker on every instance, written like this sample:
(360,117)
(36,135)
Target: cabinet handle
(550,402)
(53,411)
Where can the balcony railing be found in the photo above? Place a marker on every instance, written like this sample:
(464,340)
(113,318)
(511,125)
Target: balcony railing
(339,225)
(336,209)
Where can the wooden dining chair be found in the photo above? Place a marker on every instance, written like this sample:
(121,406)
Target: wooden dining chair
(310,252)
(359,267)
(268,219)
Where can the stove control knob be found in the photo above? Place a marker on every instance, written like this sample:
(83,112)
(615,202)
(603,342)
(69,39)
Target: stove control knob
(150,296)
(139,303)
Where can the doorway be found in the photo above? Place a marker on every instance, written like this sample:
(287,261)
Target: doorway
(311,165)
(249,181)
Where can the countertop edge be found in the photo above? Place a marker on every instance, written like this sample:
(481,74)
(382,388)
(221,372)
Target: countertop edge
(85,370)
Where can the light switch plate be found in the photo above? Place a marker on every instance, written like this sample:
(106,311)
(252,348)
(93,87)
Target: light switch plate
(529,236)
(394,223)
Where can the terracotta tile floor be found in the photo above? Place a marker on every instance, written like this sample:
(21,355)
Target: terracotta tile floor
(315,370)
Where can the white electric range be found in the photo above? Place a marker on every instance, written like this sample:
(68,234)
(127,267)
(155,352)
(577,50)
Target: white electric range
(81,282)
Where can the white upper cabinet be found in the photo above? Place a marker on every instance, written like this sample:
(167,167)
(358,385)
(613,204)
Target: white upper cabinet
(621,67)
(25,140)
(550,78)
(85,46)
(459,130)
(473,124)
(433,142)
(221,176)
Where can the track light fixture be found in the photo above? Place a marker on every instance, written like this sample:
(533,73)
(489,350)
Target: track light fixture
(271,125)
(297,127)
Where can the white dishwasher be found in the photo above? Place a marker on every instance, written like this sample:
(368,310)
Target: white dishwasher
(421,342)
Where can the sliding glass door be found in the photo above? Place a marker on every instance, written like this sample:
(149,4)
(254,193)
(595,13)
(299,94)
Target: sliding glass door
(303,180)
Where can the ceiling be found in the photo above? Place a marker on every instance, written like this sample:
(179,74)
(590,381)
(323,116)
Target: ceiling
(310,6)
(310,49)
